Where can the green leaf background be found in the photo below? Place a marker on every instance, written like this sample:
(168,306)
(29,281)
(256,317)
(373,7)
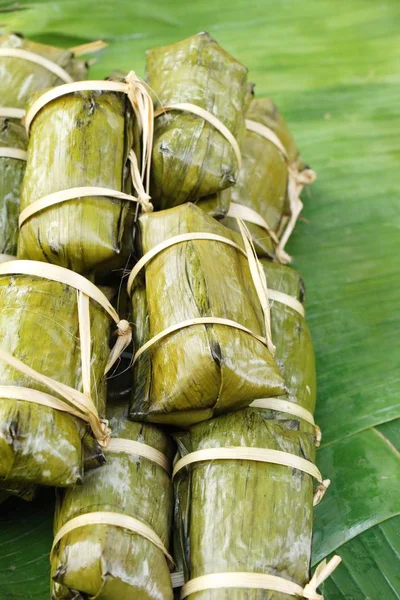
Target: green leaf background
(332,66)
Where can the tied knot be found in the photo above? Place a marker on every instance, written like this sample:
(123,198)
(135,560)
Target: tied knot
(137,180)
(124,338)
(142,105)
(320,491)
(318,436)
(304,177)
(321,573)
(147,206)
(123,327)
(106,433)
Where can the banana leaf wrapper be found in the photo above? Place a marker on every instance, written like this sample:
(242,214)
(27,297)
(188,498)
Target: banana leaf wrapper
(191,158)
(106,562)
(244,516)
(12,135)
(202,370)
(21,78)
(217,205)
(81,139)
(291,336)
(38,444)
(263,179)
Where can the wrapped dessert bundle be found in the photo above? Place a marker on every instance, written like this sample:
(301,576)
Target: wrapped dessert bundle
(201,321)
(294,349)
(270,181)
(112,533)
(241,509)
(201,94)
(25,67)
(85,141)
(53,356)
(244,481)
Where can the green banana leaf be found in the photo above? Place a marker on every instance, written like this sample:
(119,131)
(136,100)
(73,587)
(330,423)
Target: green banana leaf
(127,566)
(191,158)
(92,233)
(263,180)
(19,79)
(332,68)
(40,445)
(227,510)
(203,370)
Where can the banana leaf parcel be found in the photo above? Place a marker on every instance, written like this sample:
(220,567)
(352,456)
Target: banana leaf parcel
(43,359)
(196,370)
(245,516)
(103,560)
(79,141)
(269,181)
(248,516)
(191,157)
(20,77)
(291,336)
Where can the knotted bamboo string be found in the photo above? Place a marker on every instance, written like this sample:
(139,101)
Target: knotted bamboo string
(258,278)
(262,581)
(116,520)
(290,408)
(142,106)
(74,402)
(139,449)
(49,64)
(256,271)
(265,455)
(296,181)
(37,59)
(11,113)
(17,153)
(239,211)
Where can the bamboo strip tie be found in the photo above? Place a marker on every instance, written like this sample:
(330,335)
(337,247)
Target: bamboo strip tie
(210,118)
(263,581)
(142,105)
(116,520)
(38,60)
(258,277)
(139,449)
(296,181)
(76,403)
(290,408)
(256,273)
(17,153)
(12,113)
(265,455)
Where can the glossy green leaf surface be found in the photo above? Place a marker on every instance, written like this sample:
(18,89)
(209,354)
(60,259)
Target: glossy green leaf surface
(332,69)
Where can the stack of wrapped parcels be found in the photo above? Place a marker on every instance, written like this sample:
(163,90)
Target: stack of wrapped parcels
(143,229)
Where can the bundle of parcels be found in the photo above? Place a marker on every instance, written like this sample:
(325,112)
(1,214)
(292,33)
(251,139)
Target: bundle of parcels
(157,212)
